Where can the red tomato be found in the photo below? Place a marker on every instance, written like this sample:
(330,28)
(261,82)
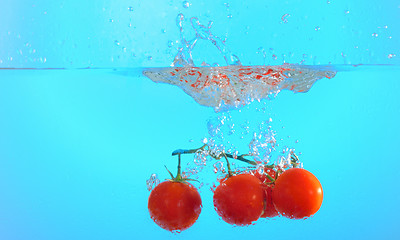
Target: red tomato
(269,208)
(239,199)
(297,193)
(174,205)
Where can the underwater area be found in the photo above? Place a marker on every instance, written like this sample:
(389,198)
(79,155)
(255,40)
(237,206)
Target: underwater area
(90,113)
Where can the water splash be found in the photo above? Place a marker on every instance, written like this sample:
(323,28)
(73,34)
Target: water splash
(230,87)
(152,182)
(184,56)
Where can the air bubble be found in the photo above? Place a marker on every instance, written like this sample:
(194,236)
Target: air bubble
(116,42)
(391,55)
(130,9)
(285,18)
(186,4)
(229,16)
(317,28)
(375,35)
(149,58)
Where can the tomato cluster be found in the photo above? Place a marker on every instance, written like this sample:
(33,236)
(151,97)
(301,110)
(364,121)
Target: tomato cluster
(242,199)
(239,199)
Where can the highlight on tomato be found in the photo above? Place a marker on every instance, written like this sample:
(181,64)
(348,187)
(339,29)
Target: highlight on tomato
(175,204)
(297,194)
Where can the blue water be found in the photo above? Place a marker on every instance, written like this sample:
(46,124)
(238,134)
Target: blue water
(77,145)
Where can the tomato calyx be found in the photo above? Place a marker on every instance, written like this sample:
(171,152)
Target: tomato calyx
(179,177)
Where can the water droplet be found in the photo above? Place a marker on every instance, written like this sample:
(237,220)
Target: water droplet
(391,55)
(186,4)
(375,35)
(130,9)
(285,18)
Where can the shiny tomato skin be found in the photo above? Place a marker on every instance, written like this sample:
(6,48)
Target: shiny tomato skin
(174,205)
(297,193)
(239,199)
(269,208)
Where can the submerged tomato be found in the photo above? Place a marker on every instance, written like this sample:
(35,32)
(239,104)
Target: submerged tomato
(297,193)
(174,205)
(269,208)
(239,199)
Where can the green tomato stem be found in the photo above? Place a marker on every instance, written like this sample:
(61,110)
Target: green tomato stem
(294,160)
(189,151)
(178,175)
(228,166)
(270,178)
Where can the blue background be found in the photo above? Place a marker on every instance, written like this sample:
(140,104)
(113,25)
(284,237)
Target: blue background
(77,146)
